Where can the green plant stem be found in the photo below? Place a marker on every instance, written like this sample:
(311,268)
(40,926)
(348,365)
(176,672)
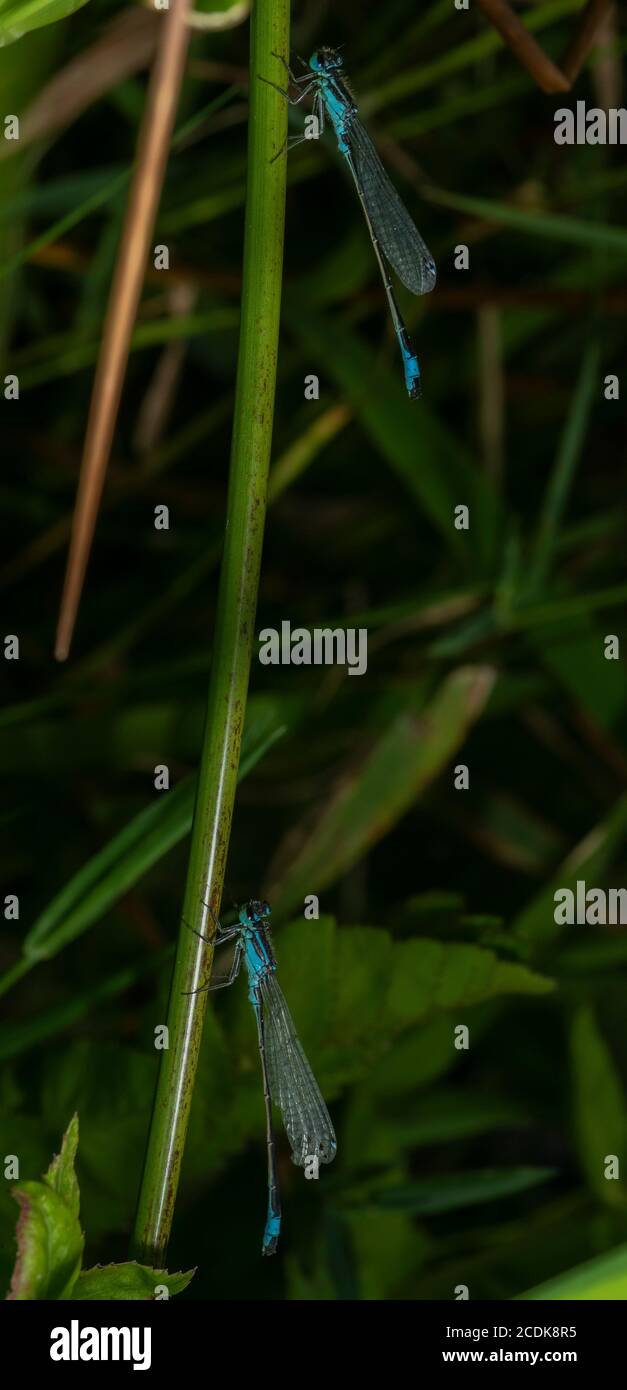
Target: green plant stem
(235,628)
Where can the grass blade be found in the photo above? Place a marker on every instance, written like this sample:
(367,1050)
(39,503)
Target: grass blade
(566,462)
(100,883)
(600,1279)
(154,140)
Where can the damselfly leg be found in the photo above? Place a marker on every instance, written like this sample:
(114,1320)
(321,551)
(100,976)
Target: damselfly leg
(307,74)
(292,101)
(291,140)
(222,935)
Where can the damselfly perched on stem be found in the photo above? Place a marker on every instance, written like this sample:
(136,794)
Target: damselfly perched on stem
(287,1076)
(394,237)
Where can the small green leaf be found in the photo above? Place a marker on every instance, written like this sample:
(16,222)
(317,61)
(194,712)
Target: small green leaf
(49,1237)
(49,1244)
(61,1176)
(129,1281)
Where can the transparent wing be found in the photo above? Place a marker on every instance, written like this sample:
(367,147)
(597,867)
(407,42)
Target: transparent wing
(400,241)
(292,1082)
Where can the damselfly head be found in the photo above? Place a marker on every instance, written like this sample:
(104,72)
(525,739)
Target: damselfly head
(326,60)
(254,912)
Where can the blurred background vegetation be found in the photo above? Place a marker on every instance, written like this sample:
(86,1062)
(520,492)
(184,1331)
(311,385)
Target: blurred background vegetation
(481,1167)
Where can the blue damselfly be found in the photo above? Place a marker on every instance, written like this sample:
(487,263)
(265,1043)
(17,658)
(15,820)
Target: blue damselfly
(396,241)
(287,1076)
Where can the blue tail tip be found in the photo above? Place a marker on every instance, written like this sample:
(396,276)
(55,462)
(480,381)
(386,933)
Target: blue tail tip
(271,1235)
(411,368)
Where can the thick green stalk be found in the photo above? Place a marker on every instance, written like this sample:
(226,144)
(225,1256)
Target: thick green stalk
(235,629)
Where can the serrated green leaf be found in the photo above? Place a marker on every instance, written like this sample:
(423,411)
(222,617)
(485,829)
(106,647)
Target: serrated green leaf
(49,1244)
(129,1281)
(430,977)
(353,991)
(49,1237)
(363,962)
(61,1176)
